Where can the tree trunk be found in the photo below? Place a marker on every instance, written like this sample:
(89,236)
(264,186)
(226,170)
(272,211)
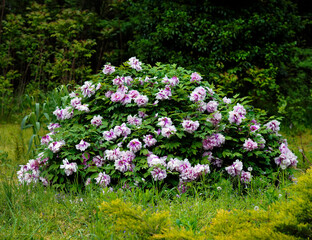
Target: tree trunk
(1,18)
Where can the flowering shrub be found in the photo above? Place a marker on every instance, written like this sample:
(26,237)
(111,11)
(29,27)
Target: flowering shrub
(140,124)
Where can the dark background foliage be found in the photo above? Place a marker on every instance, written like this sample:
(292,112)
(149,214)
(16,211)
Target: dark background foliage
(256,48)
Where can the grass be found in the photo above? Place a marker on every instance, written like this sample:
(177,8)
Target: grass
(28,212)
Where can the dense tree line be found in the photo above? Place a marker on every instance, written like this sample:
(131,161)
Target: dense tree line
(255,48)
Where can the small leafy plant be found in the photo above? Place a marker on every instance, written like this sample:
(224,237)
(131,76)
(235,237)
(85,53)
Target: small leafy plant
(139,124)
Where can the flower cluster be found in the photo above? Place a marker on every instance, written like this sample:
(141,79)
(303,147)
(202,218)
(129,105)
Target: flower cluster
(250,145)
(287,157)
(215,140)
(236,169)
(187,172)
(167,128)
(88,89)
(108,69)
(63,114)
(103,179)
(118,131)
(164,94)
(135,63)
(237,115)
(198,95)
(138,122)
(97,120)
(69,168)
(195,77)
(273,126)
(30,172)
(149,140)
(56,146)
(134,120)
(82,146)
(190,126)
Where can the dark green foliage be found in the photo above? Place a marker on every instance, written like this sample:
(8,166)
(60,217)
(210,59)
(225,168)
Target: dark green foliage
(219,37)
(296,90)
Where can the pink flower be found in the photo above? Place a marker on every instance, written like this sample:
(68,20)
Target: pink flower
(250,145)
(26,175)
(245,177)
(56,146)
(128,80)
(103,179)
(254,128)
(202,106)
(215,140)
(210,91)
(69,168)
(123,165)
(133,94)
(227,100)
(109,135)
(112,154)
(134,120)
(168,131)
(149,141)
(135,63)
(216,118)
(62,114)
(117,96)
(141,100)
(164,94)
(88,182)
(46,139)
(188,175)
(195,77)
(73,95)
(154,160)
(75,102)
(118,81)
(190,126)
(87,89)
(83,108)
(183,165)
(164,122)
(135,145)
(108,94)
(142,114)
(122,130)
(108,69)
(240,110)
(98,161)
(158,174)
(174,81)
(174,164)
(287,157)
(126,100)
(82,146)
(235,169)
(234,117)
(273,126)
(97,120)
(53,126)
(212,106)
(199,94)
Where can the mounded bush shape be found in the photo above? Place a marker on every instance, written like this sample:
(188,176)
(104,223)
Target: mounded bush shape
(140,124)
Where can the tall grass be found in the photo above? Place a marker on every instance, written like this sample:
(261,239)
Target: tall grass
(13,145)
(28,212)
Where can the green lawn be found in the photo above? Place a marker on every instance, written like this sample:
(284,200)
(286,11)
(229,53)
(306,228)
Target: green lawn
(28,212)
